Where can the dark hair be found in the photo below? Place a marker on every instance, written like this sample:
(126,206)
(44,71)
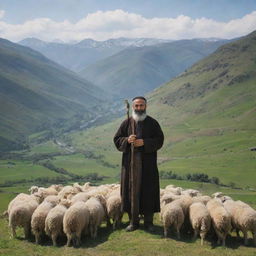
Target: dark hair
(139,97)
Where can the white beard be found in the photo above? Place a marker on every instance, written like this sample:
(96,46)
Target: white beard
(138,118)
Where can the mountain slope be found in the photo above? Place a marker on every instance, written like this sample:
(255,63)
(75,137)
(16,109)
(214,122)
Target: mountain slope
(78,56)
(208,115)
(36,93)
(139,70)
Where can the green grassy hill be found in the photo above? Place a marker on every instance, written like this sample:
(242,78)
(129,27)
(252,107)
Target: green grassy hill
(36,93)
(207,115)
(138,70)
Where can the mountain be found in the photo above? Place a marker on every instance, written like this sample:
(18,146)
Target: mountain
(138,70)
(37,94)
(208,115)
(79,55)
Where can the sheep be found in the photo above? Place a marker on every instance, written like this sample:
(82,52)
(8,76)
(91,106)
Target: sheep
(97,215)
(42,193)
(20,215)
(174,190)
(22,197)
(221,219)
(114,210)
(78,187)
(86,186)
(52,199)
(217,194)
(81,196)
(200,220)
(172,215)
(225,198)
(33,189)
(191,192)
(38,219)
(168,197)
(76,221)
(57,187)
(202,199)
(243,218)
(54,222)
(67,191)
(185,201)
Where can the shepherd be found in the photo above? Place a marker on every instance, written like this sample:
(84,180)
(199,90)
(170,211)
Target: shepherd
(139,137)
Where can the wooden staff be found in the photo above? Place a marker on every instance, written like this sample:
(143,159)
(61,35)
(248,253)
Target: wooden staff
(133,187)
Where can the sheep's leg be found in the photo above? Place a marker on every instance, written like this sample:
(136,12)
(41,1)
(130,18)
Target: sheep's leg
(237,233)
(202,235)
(37,236)
(224,241)
(13,228)
(178,232)
(220,237)
(95,232)
(78,239)
(69,238)
(202,240)
(27,231)
(245,237)
(195,234)
(114,224)
(254,237)
(54,239)
(165,231)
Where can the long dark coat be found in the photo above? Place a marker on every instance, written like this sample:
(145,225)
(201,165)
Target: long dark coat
(153,140)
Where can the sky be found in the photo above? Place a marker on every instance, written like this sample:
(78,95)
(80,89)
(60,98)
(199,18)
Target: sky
(75,20)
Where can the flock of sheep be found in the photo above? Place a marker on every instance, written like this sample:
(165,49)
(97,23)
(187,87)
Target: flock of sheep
(75,211)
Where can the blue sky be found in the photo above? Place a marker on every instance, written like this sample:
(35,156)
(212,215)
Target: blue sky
(103,19)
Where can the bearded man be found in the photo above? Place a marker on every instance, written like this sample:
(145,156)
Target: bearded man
(139,179)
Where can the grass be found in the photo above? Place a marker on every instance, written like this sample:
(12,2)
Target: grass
(80,165)
(12,170)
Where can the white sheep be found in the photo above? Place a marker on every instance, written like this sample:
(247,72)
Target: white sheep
(76,221)
(42,193)
(200,220)
(174,190)
(202,199)
(54,222)
(52,199)
(33,189)
(168,197)
(38,219)
(97,215)
(68,191)
(20,214)
(221,219)
(22,197)
(81,196)
(57,187)
(243,218)
(191,192)
(172,215)
(114,209)
(217,194)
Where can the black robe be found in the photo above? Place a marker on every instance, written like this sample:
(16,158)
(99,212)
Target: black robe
(153,140)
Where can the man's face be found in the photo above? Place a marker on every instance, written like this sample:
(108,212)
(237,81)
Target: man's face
(139,106)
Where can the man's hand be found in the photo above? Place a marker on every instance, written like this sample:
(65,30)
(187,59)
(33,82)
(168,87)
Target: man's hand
(138,143)
(131,138)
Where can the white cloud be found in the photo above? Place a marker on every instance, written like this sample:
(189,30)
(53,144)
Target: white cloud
(2,13)
(118,23)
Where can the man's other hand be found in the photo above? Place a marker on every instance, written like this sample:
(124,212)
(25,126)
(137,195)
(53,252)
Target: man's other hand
(138,143)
